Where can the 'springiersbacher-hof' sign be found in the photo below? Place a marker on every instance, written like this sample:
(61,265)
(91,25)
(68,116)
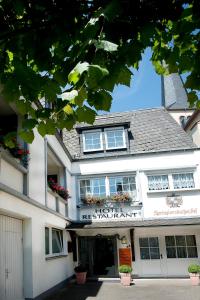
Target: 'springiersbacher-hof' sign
(99,214)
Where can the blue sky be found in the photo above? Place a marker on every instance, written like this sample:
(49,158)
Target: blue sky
(144,92)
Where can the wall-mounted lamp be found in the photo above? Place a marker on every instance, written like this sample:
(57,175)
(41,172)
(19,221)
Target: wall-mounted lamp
(123,239)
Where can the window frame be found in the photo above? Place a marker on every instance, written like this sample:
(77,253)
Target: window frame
(177,246)
(115,129)
(91,178)
(149,247)
(50,246)
(84,143)
(107,183)
(150,175)
(171,181)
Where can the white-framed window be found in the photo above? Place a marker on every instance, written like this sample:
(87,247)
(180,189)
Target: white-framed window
(158,182)
(149,248)
(115,138)
(174,181)
(54,242)
(181,246)
(92,141)
(122,184)
(183,181)
(93,187)
(102,187)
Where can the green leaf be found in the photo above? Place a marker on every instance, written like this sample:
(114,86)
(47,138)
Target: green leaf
(105,45)
(86,114)
(192,98)
(47,127)
(27,136)
(29,123)
(76,73)
(11,90)
(10,139)
(100,100)
(23,106)
(95,75)
(82,95)
(42,129)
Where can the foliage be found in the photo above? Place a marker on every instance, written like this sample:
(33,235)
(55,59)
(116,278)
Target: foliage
(118,197)
(73,54)
(16,151)
(80,269)
(194,268)
(93,200)
(125,269)
(55,187)
(121,197)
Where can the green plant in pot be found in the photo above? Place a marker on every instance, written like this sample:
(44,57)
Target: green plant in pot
(194,271)
(81,274)
(125,274)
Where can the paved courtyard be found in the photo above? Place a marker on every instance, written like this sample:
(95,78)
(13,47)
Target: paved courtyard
(142,289)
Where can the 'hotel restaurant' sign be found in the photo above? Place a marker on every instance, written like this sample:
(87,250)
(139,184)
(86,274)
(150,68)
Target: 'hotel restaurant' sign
(110,213)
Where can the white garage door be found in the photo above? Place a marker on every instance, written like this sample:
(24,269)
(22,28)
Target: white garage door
(11,259)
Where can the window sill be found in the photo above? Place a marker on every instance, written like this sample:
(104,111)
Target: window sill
(173,191)
(55,256)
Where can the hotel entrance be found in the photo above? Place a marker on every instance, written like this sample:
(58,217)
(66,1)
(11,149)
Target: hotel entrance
(99,255)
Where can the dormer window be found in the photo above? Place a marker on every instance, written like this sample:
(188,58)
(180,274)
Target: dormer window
(115,138)
(92,141)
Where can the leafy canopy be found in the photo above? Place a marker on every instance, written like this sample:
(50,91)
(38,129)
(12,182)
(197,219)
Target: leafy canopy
(73,53)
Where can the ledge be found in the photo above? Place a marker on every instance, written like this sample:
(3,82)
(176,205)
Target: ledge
(13,161)
(56,195)
(173,191)
(56,257)
(28,200)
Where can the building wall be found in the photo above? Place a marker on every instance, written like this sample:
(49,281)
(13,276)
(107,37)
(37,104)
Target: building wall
(177,114)
(40,274)
(154,202)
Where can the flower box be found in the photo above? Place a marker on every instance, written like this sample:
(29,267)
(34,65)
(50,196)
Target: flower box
(55,187)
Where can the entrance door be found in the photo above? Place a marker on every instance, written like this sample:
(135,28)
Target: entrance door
(99,255)
(11,259)
(104,263)
(151,256)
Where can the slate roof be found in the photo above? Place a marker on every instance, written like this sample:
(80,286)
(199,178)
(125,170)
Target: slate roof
(134,223)
(174,95)
(151,130)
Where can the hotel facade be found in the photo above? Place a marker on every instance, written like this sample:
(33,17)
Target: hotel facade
(134,185)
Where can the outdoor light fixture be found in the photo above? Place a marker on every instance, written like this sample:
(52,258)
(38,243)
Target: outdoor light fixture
(123,239)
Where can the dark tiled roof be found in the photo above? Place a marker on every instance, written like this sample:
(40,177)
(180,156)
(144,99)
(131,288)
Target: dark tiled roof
(134,223)
(151,130)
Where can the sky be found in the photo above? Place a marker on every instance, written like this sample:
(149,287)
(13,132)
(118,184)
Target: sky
(144,92)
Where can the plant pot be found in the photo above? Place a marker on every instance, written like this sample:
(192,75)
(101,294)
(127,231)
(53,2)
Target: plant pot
(81,277)
(125,279)
(194,278)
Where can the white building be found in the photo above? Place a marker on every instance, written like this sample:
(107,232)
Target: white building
(147,155)
(31,214)
(134,182)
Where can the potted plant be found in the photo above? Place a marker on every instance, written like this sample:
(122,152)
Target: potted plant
(81,273)
(194,271)
(125,274)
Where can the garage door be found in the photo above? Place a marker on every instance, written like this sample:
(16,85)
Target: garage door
(11,259)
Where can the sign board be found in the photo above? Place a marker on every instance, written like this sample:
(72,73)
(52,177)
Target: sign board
(125,256)
(110,213)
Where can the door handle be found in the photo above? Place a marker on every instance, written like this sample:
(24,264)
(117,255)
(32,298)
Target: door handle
(161,256)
